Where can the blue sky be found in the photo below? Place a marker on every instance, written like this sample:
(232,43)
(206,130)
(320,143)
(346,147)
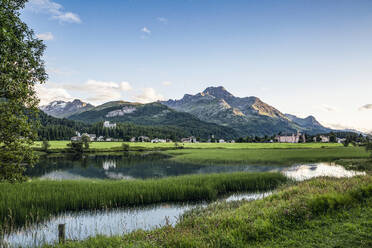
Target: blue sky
(302,57)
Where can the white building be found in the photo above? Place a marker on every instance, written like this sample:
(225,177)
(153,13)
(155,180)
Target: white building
(294,138)
(156,140)
(107,124)
(92,137)
(191,139)
(324,139)
(221,141)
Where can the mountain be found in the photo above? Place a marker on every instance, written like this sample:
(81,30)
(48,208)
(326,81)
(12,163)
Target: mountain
(247,115)
(153,114)
(62,109)
(308,124)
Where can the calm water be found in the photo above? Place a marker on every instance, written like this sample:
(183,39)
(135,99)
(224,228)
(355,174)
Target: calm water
(82,225)
(127,166)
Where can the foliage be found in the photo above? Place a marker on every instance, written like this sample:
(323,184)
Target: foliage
(125,147)
(178,146)
(85,140)
(37,200)
(45,146)
(369,147)
(76,146)
(21,68)
(52,128)
(347,142)
(321,212)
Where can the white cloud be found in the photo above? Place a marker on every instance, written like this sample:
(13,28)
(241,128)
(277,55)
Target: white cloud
(68,17)
(45,36)
(166,83)
(98,92)
(148,95)
(146,30)
(49,94)
(162,20)
(125,86)
(366,107)
(55,10)
(327,108)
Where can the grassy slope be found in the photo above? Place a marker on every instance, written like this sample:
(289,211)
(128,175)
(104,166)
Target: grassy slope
(316,213)
(266,156)
(37,200)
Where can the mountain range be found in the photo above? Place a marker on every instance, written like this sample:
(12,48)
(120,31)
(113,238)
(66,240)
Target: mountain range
(61,109)
(214,109)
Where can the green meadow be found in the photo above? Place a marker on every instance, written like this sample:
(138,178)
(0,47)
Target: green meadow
(34,201)
(322,212)
(284,156)
(147,145)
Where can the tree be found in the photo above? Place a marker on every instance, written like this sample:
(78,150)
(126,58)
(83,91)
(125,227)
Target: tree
(21,68)
(369,146)
(125,147)
(45,145)
(86,140)
(347,142)
(76,146)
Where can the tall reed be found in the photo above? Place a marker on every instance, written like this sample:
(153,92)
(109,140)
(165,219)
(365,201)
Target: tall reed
(30,202)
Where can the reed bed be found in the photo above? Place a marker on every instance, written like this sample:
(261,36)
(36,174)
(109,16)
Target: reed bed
(322,212)
(35,201)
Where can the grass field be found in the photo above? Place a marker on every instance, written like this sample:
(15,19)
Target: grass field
(285,156)
(145,145)
(37,200)
(321,212)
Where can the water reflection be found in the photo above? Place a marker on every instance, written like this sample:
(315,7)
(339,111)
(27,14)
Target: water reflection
(308,171)
(127,166)
(82,225)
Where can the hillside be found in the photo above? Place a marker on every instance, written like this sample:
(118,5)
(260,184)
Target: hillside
(154,114)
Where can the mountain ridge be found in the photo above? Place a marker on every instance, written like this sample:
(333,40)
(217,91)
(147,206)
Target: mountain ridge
(63,109)
(246,116)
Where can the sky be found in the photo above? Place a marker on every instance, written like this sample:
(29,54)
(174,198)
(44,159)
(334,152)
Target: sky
(302,57)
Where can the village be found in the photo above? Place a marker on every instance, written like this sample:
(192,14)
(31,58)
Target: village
(289,138)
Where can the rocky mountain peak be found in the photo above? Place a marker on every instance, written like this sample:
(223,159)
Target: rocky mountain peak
(61,109)
(218,92)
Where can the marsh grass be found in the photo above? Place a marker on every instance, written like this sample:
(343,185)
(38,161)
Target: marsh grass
(35,201)
(321,212)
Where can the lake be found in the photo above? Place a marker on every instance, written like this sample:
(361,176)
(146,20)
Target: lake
(131,166)
(127,166)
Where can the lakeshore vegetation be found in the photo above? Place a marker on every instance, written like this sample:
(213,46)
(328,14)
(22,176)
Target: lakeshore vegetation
(321,212)
(29,202)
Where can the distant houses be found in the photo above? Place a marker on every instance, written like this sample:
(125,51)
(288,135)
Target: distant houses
(294,138)
(190,139)
(322,138)
(92,137)
(156,140)
(143,139)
